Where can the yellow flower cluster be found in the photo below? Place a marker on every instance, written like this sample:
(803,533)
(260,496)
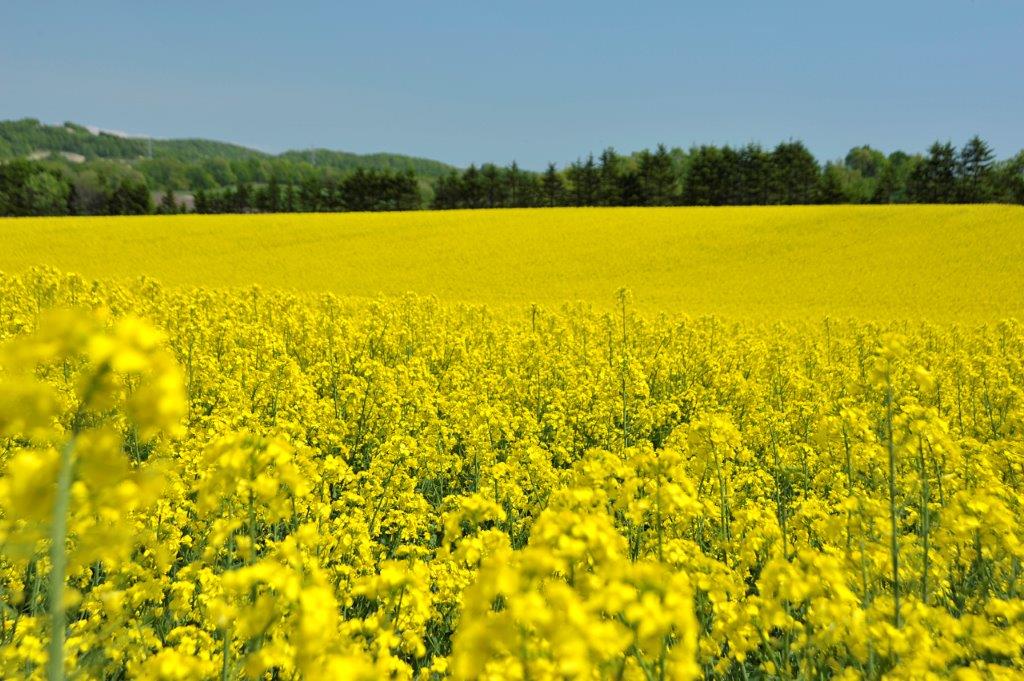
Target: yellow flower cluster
(249,484)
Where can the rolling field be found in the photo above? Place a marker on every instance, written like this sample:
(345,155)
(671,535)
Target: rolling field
(823,478)
(942,263)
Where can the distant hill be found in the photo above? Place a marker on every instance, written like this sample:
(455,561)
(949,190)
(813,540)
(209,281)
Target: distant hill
(28,138)
(346,161)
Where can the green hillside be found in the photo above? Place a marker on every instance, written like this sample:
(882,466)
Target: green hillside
(27,137)
(347,161)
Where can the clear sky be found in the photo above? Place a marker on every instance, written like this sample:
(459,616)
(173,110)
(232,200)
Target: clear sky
(535,81)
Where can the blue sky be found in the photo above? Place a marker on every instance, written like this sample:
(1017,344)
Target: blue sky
(535,81)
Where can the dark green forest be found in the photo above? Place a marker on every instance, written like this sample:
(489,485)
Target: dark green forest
(69,170)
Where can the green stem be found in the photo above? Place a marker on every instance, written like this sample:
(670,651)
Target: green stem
(925,521)
(894,543)
(780,507)
(624,371)
(657,509)
(226,655)
(58,561)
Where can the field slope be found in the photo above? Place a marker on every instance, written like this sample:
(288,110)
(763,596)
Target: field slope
(943,263)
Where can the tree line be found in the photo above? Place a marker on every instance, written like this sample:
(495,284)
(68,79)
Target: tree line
(361,190)
(701,176)
(34,188)
(748,175)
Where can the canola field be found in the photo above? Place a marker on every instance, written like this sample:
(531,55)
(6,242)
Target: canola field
(936,263)
(205,479)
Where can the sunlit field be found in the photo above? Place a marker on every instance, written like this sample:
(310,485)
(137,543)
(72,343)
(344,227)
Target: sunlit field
(955,263)
(772,443)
